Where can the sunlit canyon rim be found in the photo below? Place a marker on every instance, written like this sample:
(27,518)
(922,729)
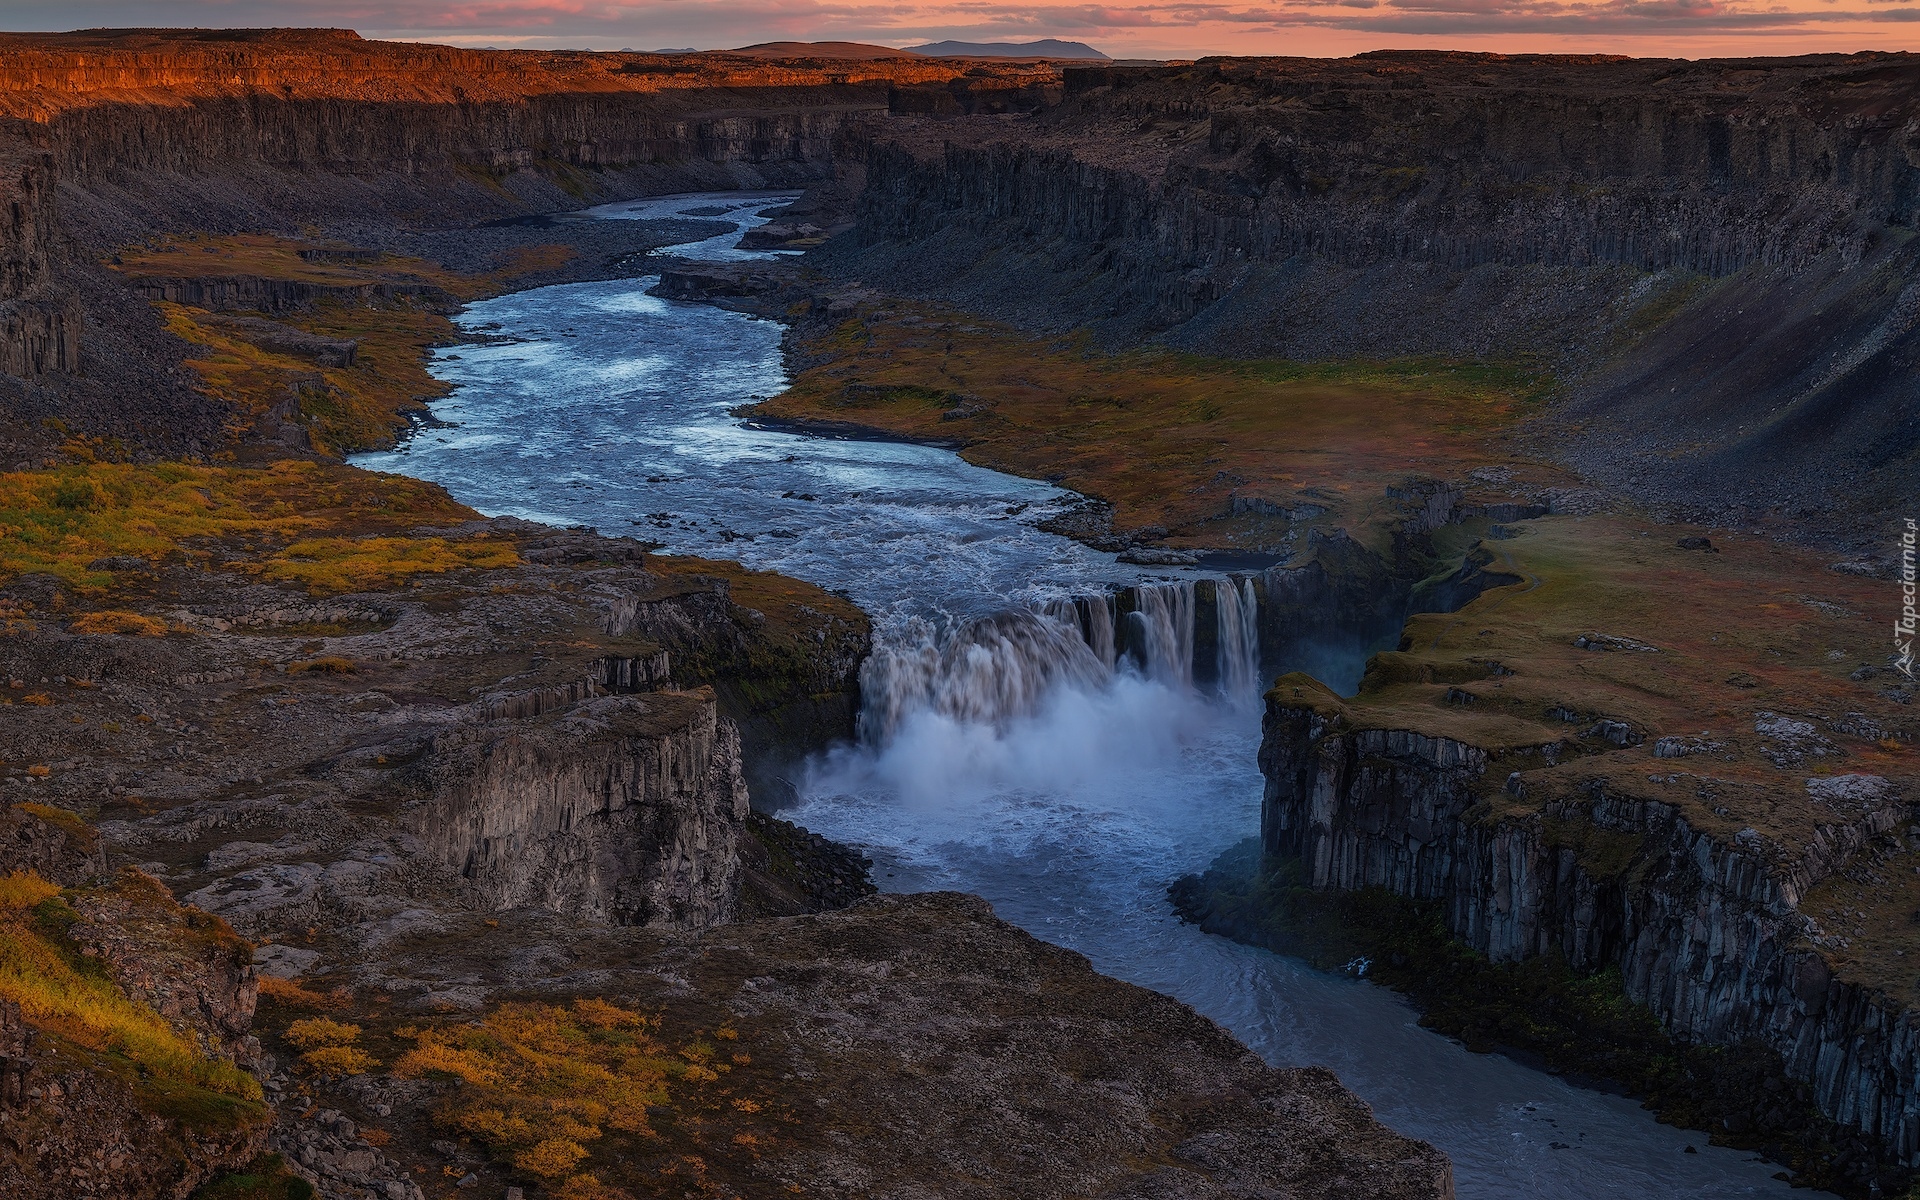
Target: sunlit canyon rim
(478,524)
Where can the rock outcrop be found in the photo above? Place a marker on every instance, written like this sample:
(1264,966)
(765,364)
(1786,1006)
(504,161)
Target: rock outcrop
(625,808)
(39,322)
(111,137)
(942,1051)
(1704,929)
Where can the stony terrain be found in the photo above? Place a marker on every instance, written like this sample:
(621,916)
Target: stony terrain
(500,784)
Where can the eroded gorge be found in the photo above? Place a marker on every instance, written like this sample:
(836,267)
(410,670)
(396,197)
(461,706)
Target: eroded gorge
(478,524)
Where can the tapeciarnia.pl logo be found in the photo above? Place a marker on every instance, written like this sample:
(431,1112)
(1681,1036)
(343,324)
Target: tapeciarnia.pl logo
(1903,629)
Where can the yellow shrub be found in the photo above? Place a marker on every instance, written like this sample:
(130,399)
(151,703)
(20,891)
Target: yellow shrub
(336,564)
(551,1158)
(434,1056)
(116,621)
(24,889)
(539,1082)
(61,521)
(589,1187)
(314,1032)
(336,1061)
(494,1127)
(91,1011)
(291,994)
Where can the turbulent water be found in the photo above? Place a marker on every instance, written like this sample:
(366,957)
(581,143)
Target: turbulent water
(1033,729)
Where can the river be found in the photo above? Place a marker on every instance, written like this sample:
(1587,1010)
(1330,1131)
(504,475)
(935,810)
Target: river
(1022,739)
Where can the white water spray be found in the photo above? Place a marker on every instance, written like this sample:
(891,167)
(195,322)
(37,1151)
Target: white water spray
(1238,622)
(985,671)
(1096,615)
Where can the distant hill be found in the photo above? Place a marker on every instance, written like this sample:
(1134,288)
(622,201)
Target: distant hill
(819,50)
(1048,48)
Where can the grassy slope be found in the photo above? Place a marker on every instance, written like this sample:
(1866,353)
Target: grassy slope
(72,1000)
(1168,439)
(1749,629)
(341,408)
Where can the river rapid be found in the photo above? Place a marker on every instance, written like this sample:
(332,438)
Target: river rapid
(1037,728)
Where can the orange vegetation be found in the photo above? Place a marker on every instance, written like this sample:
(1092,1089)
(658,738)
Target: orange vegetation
(542,1084)
(44,74)
(1169,439)
(67,996)
(331,528)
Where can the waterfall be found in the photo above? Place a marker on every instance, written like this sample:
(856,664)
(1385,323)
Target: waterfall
(986,670)
(995,669)
(1163,628)
(1237,614)
(1097,620)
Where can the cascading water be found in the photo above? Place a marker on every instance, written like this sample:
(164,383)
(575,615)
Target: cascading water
(1096,618)
(1162,632)
(1020,739)
(1237,616)
(983,670)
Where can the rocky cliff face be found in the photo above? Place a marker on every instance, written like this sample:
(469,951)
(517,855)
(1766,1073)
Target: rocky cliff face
(212,131)
(109,138)
(1560,209)
(1704,930)
(627,808)
(1193,176)
(39,323)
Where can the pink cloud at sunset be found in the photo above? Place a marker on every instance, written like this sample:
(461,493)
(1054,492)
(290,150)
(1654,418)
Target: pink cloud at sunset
(1678,28)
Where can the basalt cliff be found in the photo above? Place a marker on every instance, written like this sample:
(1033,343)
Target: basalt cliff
(1716,257)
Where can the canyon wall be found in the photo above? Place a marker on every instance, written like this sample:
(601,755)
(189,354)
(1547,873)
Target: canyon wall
(626,809)
(1716,257)
(276,128)
(1704,929)
(111,137)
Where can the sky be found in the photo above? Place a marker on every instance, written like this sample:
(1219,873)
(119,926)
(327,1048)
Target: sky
(1154,29)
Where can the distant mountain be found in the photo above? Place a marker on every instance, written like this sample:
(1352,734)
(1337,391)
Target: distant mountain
(1048,48)
(819,50)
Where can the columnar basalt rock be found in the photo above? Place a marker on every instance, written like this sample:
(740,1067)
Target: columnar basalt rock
(627,809)
(1704,929)
(1716,257)
(1455,160)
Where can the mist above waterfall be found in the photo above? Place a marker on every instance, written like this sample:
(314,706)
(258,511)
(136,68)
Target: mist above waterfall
(1076,738)
(1066,696)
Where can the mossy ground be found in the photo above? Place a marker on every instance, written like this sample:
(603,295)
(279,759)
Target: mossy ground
(323,527)
(72,999)
(1713,647)
(1169,439)
(579,1098)
(265,1178)
(341,409)
(1572,1023)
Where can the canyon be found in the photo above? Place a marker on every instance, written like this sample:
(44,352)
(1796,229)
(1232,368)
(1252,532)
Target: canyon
(1567,394)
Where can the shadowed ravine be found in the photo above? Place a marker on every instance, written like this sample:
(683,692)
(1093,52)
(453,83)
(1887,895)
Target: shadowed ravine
(1039,726)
